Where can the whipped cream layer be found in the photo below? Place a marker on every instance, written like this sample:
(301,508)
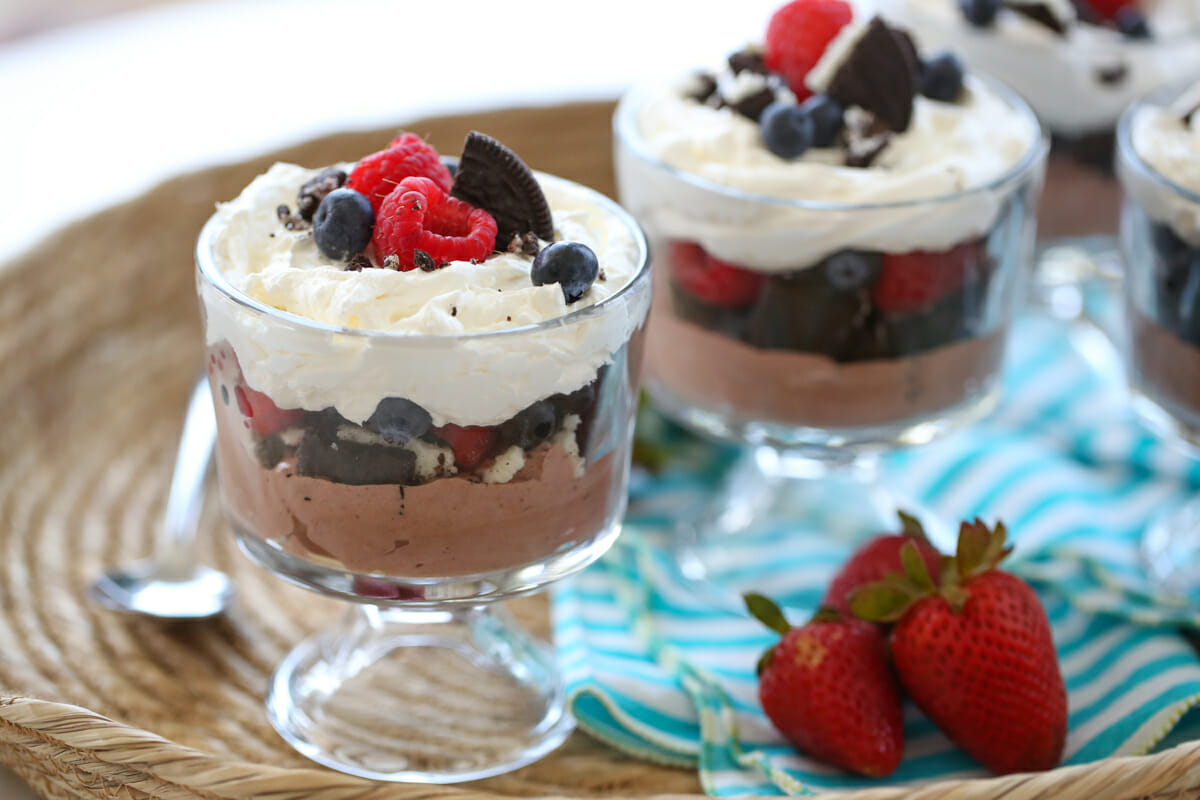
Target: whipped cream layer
(948,148)
(1167,139)
(1060,75)
(468,380)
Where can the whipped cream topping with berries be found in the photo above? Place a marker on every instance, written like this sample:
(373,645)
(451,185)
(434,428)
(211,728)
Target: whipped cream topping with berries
(1167,139)
(470,380)
(949,148)
(1078,82)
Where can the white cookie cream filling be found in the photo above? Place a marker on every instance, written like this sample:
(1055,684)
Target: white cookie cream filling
(430,357)
(1059,75)
(948,148)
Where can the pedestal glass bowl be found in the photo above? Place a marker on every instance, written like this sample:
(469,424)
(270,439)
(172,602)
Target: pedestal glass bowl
(791,357)
(427,679)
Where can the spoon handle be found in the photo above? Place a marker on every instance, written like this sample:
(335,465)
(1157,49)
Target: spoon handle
(176,544)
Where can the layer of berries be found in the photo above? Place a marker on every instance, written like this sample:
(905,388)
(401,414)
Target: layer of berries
(381,449)
(854,305)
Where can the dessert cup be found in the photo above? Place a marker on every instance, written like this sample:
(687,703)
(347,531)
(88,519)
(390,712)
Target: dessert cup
(1159,167)
(799,364)
(1078,78)
(427,679)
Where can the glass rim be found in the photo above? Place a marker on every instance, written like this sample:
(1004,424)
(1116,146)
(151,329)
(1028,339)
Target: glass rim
(626,131)
(1128,154)
(213,277)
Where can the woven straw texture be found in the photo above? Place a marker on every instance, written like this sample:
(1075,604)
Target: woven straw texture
(99,342)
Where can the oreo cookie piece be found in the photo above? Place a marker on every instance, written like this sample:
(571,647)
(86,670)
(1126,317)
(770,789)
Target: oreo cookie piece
(879,75)
(494,178)
(1042,14)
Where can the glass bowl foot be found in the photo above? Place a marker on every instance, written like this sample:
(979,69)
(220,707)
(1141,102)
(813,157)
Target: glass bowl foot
(421,696)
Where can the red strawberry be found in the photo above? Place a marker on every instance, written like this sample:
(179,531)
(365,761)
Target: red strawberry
(264,416)
(797,36)
(407,156)
(712,280)
(827,688)
(976,654)
(877,559)
(418,222)
(470,443)
(916,280)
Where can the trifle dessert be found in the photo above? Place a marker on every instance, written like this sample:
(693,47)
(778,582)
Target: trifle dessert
(1159,148)
(425,375)
(838,222)
(1079,63)
(419,374)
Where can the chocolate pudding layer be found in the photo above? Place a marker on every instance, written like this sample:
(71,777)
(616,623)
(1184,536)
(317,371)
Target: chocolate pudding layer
(1166,369)
(788,387)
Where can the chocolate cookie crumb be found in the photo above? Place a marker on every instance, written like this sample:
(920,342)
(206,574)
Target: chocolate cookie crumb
(525,243)
(314,190)
(706,87)
(753,105)
(392,262)
(360,262)
(424,261)
(864,137)
(292,222)
(454,311)
(747,60)
(1112,75)
(1041,14)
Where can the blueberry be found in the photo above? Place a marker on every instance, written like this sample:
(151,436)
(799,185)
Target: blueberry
(532,426)
(571,265)
(826,115)
(343,223)
(980,13)
(787,130)
(849,269)
(942,78)
(399,420)
(1131,22)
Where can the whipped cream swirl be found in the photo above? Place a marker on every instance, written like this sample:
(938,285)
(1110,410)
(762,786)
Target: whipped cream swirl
(948,153)
(1167,139)
(428,355)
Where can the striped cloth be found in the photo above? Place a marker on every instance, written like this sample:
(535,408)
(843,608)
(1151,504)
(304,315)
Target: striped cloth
(661,675)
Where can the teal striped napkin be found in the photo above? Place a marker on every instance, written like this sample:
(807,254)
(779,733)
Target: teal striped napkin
(658,674)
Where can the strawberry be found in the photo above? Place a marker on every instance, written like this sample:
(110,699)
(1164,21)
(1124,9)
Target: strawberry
(470,443)
(975,653)
(712,280)
(914,281)
(878,558)
(261,412)
(797,36)
(827,688)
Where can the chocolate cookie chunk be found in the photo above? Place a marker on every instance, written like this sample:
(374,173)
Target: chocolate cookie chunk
(880,75)
(492,177)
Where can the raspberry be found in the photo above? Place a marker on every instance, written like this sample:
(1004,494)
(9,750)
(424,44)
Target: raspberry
(1108,9)
(407,156)
(470,443)
(915,281)
(419,215)
(716,282)
(797,36)
(263,416)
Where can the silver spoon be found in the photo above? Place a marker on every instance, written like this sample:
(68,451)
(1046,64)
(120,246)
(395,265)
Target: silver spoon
(171,584)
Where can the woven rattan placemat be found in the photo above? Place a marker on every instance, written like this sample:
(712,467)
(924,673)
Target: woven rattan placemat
(99,344)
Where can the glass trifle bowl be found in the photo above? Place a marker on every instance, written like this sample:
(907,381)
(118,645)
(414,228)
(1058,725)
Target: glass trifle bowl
(423,432)
(1158,146)
(821,312)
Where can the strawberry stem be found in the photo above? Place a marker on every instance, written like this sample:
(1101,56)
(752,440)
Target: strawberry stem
(766,611)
